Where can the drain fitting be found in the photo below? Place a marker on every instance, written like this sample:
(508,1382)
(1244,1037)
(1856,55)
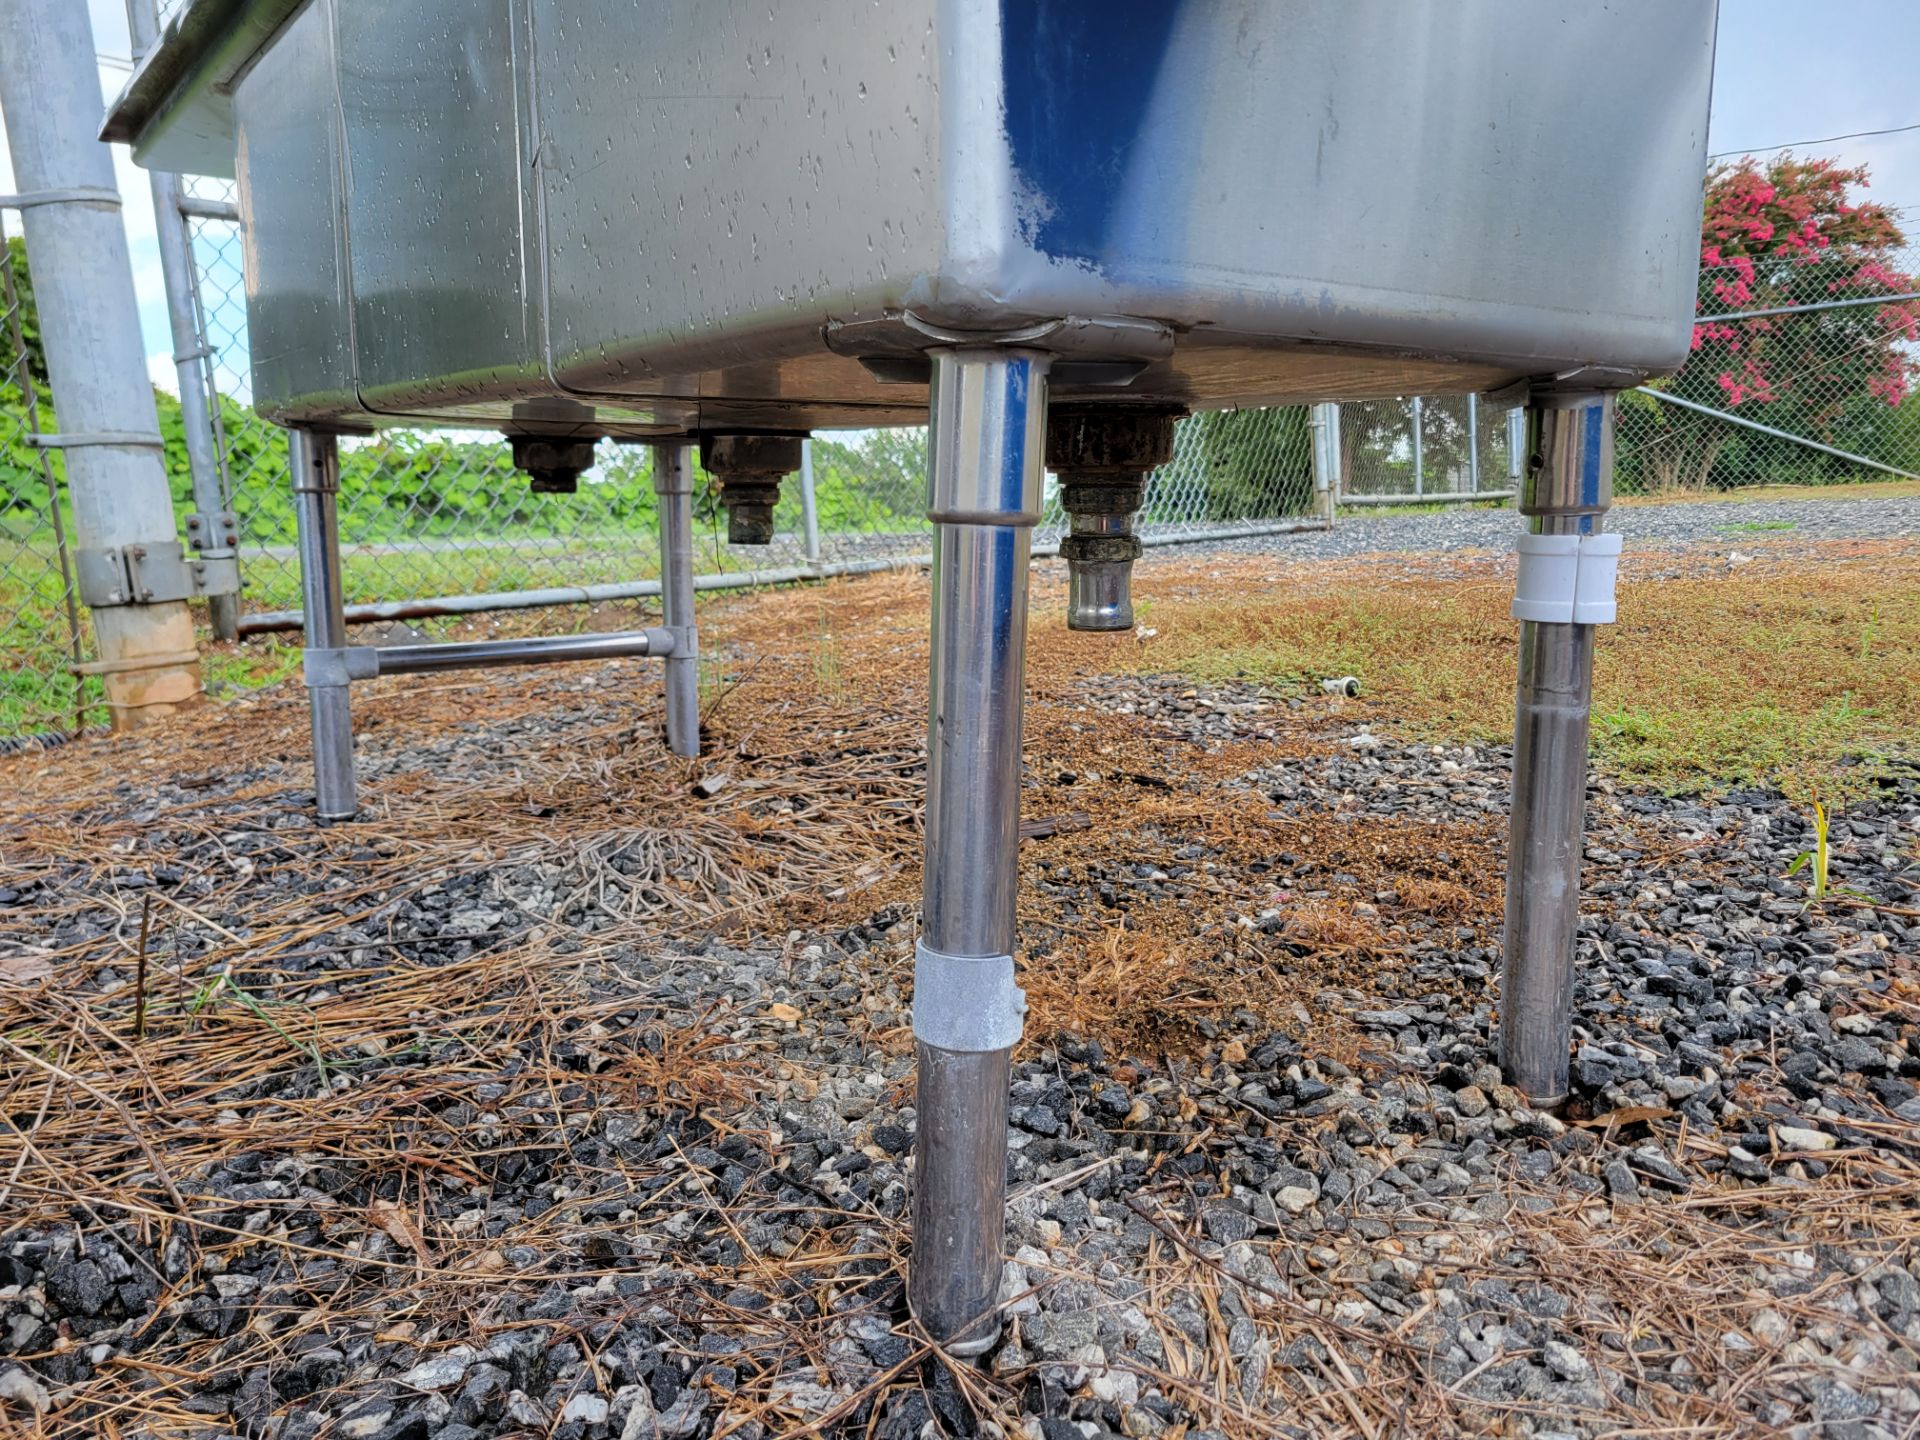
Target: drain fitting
(1103,455)
(748,470)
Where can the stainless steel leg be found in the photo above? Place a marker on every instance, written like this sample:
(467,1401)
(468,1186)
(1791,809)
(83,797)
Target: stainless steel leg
(673,484)
(1567,486)
(809,504)
(960,1195)
(315,462)
(988,413)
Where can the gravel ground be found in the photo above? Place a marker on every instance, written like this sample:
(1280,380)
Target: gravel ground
(1731,525)
(651,1183)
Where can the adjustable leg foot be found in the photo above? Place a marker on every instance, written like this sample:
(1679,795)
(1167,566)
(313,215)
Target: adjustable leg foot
(673,484)
(1565,494)
(315,461)
(987,419)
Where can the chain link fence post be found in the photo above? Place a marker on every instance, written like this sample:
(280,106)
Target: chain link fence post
(127,557)
(210,527)
(1473,444)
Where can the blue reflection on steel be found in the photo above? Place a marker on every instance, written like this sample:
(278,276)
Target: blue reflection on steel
(1080,85)
(1594,482)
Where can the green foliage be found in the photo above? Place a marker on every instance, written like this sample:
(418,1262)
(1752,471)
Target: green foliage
(1819,855)
(29,311)
(875,481)
(1786,234)
(1252,463)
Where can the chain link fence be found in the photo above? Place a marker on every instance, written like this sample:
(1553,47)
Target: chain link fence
(1442,449)
(1803,373)
(1810,376)
(44,630)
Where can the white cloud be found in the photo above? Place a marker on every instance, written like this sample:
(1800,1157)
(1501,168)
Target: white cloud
(161,371)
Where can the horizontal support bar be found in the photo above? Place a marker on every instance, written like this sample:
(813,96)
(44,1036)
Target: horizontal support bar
(197,209)
(268,621)
(1432,497)
(546,650)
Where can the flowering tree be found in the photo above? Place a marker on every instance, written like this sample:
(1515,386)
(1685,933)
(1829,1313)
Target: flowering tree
(1788,234)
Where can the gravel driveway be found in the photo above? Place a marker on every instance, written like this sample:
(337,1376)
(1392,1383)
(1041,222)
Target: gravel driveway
(1725,524)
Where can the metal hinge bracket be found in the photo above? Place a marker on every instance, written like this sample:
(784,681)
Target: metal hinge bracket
(151,573)
(214,536)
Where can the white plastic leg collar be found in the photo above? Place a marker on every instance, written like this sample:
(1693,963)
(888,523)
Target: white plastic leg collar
(966,1002)
(1567,579)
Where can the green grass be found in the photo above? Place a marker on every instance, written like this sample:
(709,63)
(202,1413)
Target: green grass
(1761,743)
(1761,525)
(266,660)
(1808,679)
(1355,507)
(38,691)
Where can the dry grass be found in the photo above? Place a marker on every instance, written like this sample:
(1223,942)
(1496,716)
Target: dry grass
(120,1099)
(1650,1283)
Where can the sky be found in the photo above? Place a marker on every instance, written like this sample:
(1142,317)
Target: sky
(1785,72)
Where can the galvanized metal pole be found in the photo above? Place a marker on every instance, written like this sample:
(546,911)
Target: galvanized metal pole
(210,528)
(1516,441)
(986,440)
(1566,491)
(90,326)
(314,460)
(673,485)
(1419,455)
(1473,443)
(1325,424)
(809,504)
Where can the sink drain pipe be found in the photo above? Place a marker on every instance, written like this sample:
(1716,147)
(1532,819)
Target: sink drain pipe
(1564,589)
(1103,454)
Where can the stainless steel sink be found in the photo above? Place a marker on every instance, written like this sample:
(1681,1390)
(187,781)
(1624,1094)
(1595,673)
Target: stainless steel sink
(670,216)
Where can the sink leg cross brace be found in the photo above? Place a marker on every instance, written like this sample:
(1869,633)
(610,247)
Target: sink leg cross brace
(332,665)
